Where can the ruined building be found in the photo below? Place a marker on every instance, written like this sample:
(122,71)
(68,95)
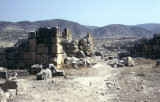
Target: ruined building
(41,47)
(44,46)
(149,48)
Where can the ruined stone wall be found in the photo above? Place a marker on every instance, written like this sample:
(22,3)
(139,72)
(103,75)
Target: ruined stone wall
(86,44)
(149,48)
(41,47)
(77,48)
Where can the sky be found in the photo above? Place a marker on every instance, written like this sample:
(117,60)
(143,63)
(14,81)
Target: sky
(85,12)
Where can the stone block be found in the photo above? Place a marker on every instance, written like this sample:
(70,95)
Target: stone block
(41,58)
(156,47)
(2,56)
(12,56)
(29,63)
(21,64)
(40,40)
(35,69)
(57,48)
(31,45)
(56,40)
(12,63)
(31,35)
(4,63)
(29,55)
(44,74)
(21,55)
(41,49)
(87,47)
(148,47)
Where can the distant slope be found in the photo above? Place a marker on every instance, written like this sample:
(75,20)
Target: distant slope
(16,30)
(117,30)
(91,27)
(154,27)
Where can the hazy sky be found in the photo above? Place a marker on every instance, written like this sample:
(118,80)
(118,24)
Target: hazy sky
(86,12)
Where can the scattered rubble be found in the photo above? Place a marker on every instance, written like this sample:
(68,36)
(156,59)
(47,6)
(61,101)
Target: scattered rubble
(2,96)
(126,61)
(18,84)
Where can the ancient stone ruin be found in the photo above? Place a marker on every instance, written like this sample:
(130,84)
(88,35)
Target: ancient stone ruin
(149,48)
(45,46)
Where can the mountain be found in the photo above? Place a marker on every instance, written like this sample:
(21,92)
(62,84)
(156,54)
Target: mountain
(14,30)
(118,30)
(91,27)
(154,27)
(28,26)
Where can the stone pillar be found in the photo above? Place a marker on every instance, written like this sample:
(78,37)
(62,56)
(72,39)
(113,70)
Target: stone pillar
(67,34)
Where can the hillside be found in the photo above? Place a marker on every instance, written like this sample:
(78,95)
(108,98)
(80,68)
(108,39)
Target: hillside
(11,31)
(117,30)
(151,26)
(27,26)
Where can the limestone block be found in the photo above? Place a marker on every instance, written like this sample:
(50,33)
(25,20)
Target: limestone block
(18,84)
(29,55)
(128,61)
(21,64)
(156,47)
(4,63)
(41,58)
(44,74)
(57,48)
(30,48)
(12,55)
(56,40)
(87,47)
(29,63)
(40,40)
(2,56)
(21,55)
(31,42)
(147,47)
(42,49)
(31,35)
(60,59)
(12,63)
(35,69)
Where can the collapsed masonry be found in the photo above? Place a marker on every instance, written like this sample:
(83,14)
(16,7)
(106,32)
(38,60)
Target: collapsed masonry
(44,46)
(149,48)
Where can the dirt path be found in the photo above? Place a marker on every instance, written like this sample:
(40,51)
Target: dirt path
(98,84)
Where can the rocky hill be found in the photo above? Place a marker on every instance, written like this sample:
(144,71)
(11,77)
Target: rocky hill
(117,30)
(14,30)
(154,27)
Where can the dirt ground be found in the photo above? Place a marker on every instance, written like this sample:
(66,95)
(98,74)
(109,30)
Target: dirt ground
(101,83)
